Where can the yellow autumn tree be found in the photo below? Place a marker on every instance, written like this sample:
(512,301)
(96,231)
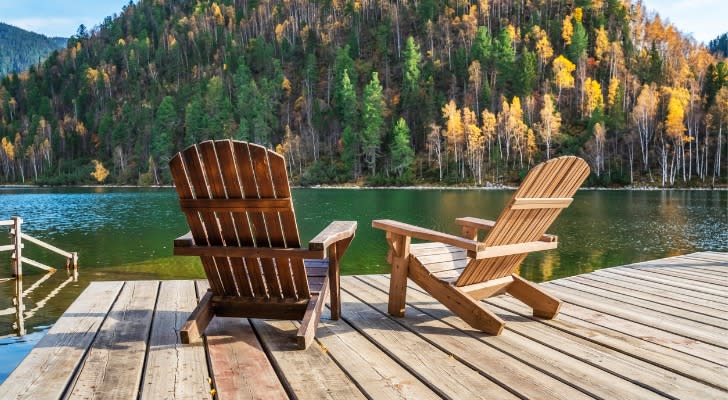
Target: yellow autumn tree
(594,98)
(515,128)
(488,127)
(643,117)
(550,123)
(675,121)
(454,131)
(100,172)
(567,30)
(601,44)
(563,70)
(475,140)
(612,92)
(544,51)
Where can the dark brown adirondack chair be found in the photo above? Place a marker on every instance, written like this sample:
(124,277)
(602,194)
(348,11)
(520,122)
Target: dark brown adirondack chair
(239,209)
(461,271)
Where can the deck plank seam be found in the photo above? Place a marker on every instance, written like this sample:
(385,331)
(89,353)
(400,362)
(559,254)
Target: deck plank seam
(658,285)
(560,350)
(640,338)
(339,364)
(396,359)
(681,274)
(677,276)
(140,389)
(208,358)
(276,367)
(702,271)
(612,348)
(632,320)
(700,257)
(621,283)
(657,279)
(76,371)
(615,348)
(659,312)
(478,369)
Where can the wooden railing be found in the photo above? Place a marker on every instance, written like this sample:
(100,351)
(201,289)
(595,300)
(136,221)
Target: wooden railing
(17,248)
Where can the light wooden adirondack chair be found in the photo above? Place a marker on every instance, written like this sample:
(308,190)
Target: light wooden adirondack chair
(461,271)
(238,206)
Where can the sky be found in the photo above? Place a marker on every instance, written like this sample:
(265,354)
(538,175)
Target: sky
(703,19)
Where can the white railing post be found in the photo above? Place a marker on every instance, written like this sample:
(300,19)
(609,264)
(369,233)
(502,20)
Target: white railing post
(19,306)
(17,241)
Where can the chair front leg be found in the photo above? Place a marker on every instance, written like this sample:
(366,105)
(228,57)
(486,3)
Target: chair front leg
(336,251)
(399,259)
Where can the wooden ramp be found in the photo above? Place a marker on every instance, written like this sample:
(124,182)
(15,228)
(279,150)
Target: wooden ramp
(657,329)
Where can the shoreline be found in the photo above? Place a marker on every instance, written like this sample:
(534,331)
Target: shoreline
(359,187)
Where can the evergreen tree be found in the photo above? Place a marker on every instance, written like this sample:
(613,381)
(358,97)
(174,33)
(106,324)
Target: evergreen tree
(162,144)
(482,47)
(219,111)
(505,56)
(372,122)
(526,73)
(411,74)
(350,135)
(343,65)
(579,43)
(402,153)
(194,122)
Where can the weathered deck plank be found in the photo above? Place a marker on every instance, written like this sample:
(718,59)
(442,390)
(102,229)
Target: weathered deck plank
(307,374)
(50,366)
(555,375)
(648,330)
(578,351)
(174,370)
(376,374)
(502,369)
(113,366)
(239,365)
(656,294)
(611,298)
(719,301)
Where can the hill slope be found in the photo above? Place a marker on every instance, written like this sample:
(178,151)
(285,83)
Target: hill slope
(19,49)
(387,92)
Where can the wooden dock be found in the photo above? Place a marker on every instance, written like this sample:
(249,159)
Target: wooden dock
(656,329)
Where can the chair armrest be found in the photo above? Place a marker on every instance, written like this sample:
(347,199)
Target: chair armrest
(185,240)
(335,232)
(473,222)
(417,232)
(471,225)
(477,223)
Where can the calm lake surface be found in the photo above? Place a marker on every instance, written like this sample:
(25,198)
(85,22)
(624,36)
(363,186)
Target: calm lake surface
(126,233)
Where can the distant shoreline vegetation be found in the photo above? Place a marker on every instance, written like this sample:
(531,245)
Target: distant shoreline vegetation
(434,92)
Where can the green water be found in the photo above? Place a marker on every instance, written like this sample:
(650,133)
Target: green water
(123,234)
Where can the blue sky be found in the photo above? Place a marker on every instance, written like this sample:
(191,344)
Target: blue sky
(704,19)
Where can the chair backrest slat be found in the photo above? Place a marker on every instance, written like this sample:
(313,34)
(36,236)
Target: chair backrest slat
(248,285)
(548,188)
(279,179)
(234,194)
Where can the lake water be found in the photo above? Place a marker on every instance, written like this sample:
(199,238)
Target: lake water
(126,233)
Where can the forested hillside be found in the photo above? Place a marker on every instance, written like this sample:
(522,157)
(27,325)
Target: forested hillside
(374,92)
(19,49)
(719,45)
